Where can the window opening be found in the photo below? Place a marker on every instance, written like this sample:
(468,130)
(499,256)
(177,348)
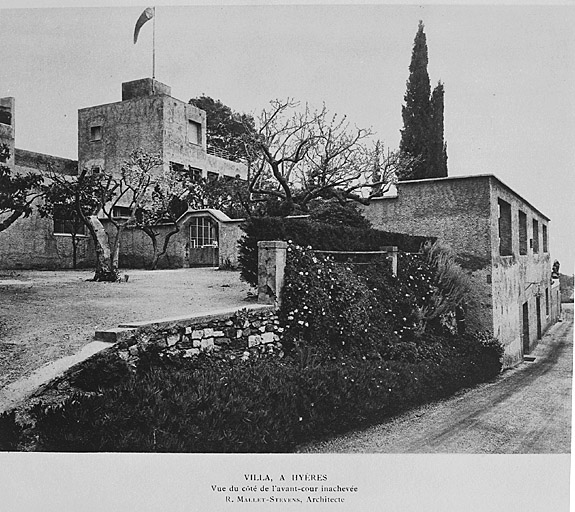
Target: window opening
(64,224)
(177,167)
(194,132)
(121,212)
(195,174)
(95,133)
(505,239)
(535,237)
(522,233)
(202,232)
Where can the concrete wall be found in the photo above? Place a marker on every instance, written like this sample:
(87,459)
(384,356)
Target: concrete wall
(436,208)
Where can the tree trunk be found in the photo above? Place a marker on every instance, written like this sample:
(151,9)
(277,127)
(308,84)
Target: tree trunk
(154,239)
(105,269)
(74,251)
(165,245)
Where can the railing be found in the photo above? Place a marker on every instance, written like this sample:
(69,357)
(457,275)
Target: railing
(389,252)
(222,153)
(272,256)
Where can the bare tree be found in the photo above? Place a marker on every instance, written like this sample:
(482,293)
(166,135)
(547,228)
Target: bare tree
(117,197)
(162,205)
(299,154)
(125,195)
(17,191)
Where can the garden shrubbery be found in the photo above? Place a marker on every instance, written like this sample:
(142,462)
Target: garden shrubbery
(356,350)
(359,344)
(264,404)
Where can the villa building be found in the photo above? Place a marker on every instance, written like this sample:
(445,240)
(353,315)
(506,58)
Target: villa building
(501,240)
(147,117)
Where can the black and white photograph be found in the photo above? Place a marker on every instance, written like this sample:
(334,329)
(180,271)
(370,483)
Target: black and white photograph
(285,256)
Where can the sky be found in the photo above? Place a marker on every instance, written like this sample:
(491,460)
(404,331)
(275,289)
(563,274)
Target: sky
(508,73)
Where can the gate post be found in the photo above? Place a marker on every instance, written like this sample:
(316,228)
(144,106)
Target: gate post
(271,267)
(392,252)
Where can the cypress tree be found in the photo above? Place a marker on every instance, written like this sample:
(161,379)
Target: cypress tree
(422,133)
(438,149)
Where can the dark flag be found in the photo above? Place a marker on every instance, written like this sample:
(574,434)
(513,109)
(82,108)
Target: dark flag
(147,15)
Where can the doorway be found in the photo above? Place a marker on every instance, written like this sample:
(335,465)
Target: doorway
(525,328)
(538,306)
(203,240)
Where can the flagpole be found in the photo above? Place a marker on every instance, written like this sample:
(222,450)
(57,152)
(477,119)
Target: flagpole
(154,48)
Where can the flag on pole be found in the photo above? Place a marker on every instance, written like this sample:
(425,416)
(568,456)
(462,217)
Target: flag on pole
(147,15)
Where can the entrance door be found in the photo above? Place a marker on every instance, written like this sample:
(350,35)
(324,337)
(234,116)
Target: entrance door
(525,328)
(203,242)
(538,306)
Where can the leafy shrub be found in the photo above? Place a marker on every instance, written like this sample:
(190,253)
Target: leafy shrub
(10,431)
(260,405)
(337,214)
(321,236)
(323,302)
(100,371)
(365,308)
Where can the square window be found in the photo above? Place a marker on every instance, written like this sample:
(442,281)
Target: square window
(96,133)
(194,132)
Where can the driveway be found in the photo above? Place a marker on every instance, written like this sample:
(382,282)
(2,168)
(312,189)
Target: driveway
(525,410)
(48,315)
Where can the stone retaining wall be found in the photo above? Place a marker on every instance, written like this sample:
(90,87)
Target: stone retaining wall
(234,333)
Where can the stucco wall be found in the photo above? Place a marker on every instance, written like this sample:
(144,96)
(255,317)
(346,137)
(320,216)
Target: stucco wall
(125,125)
(31,243)
(230,234)
(136,246)
(158,124)
(457,212)
(454,210)
(517,278)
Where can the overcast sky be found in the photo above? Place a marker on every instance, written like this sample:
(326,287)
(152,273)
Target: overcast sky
(508,71)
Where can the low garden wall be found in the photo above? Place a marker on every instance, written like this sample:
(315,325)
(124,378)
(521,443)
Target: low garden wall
(230,332)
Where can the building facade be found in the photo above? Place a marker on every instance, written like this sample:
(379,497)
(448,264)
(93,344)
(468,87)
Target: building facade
(501,240)
(147,117)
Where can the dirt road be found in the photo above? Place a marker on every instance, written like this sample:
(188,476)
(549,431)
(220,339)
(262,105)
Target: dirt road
(526,410)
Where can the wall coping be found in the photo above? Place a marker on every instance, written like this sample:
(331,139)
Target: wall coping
(185,320)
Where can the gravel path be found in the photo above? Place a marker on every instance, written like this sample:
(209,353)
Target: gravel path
(47,315)
(526,410)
